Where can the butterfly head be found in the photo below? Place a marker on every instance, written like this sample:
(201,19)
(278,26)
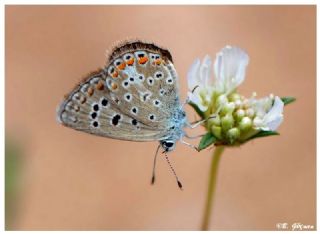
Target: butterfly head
(168,145)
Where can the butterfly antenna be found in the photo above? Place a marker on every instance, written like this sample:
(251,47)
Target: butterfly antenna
(173,171)
(154,166)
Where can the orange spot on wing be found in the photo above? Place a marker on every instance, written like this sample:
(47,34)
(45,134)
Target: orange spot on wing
(130,61)
(121,66)
(143,60)
(115,74)
(158,61)
(114,86)
(90,91)
(100,85)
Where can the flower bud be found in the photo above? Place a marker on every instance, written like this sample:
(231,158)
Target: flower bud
(227,122)
(234,97)
(233,134)
(238,103)
(214,121)
(250,112)
(216,131)
(245,124)
(228,108)
(239,114)
(221,100)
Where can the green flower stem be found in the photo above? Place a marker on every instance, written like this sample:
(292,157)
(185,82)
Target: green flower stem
(211,186)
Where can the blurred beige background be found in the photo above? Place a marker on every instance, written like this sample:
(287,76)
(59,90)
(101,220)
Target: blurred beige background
(68,180)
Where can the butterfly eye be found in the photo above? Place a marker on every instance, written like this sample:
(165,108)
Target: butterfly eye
(168,145)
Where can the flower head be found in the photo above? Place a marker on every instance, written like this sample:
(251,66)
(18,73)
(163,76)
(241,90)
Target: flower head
(231,118)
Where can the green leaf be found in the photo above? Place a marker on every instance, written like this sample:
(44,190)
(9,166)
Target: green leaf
(196,108)
(288,100)
(206,141)
(263,134)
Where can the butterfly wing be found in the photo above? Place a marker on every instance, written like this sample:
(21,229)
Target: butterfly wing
(133,98)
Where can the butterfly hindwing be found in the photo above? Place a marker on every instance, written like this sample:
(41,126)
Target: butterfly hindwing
(145,86)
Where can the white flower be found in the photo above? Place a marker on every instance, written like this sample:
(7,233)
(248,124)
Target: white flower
(268,118)
(199,83)
(229,68)
(236,118)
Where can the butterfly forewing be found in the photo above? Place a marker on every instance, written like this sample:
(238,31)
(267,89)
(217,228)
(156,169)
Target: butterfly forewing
(133,98)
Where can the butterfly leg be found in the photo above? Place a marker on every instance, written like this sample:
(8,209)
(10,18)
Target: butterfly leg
(190,145)
(196,124)
(184,103)
(199,122)
(193,137)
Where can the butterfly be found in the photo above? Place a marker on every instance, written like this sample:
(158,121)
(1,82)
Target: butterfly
(135,97)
